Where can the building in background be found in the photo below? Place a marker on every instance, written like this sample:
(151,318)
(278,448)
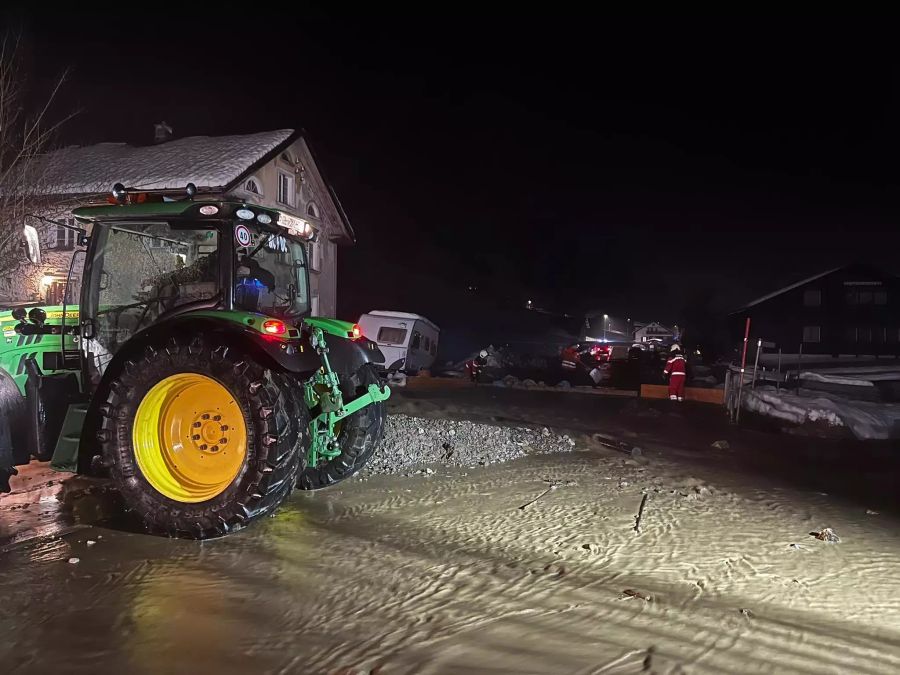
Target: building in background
(654,332)
(274,168)
(851,310)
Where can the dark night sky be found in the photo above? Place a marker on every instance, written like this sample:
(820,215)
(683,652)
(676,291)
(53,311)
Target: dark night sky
(605,163)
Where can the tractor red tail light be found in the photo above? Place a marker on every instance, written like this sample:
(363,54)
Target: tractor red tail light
(356,332)
(274,327)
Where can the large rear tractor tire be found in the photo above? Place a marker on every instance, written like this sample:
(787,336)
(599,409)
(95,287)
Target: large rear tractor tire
(201,439)
(359,436)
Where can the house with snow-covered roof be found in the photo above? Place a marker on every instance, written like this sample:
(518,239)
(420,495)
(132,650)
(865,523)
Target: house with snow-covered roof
(273,168)
(848,310)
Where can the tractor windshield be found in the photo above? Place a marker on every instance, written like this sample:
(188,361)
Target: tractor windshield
(270,274)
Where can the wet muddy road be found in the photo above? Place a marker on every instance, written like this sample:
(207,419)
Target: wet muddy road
(449,574)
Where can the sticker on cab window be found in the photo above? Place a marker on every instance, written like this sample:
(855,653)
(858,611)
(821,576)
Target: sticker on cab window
(242,235)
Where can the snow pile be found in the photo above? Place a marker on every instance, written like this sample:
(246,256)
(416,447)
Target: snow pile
(834,379)
(410,442)
(867,421)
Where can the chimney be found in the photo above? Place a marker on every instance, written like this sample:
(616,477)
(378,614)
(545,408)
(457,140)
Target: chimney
(162,132)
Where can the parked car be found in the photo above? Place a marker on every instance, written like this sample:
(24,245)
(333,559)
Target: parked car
(401,335)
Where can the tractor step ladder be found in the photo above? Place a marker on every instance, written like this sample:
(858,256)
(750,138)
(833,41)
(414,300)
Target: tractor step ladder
(65,456)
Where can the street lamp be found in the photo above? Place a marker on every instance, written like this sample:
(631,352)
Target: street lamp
(605,321)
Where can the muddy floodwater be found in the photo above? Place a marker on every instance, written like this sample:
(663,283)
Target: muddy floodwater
(453,573)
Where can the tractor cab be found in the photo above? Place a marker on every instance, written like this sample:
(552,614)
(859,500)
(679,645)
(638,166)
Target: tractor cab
(150,263)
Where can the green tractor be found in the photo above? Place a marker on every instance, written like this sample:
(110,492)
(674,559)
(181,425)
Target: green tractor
(190,372)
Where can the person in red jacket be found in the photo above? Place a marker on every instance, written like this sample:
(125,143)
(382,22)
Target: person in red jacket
(676,373)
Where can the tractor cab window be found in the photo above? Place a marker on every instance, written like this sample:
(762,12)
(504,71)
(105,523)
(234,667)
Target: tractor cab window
(144,270)
(271,276)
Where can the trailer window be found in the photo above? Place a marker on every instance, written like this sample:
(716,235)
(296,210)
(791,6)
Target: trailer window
(391,335)
(416,339)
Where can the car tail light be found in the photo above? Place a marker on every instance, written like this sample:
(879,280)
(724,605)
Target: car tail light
(274,327)
(599,349)
(356,332)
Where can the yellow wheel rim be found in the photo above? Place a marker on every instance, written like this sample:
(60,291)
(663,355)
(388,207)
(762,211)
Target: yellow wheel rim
(189,437)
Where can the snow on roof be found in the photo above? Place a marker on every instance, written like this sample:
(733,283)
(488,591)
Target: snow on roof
(205,161)
(790,288)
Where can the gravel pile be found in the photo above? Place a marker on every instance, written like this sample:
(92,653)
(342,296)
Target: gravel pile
(411,442)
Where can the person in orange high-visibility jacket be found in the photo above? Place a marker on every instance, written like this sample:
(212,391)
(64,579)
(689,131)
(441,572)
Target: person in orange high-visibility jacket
(676,373)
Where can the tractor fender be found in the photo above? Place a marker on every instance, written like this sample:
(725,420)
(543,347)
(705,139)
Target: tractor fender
(293,355)
(348,356)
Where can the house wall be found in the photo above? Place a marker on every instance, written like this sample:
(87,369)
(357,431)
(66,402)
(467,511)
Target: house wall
(22,281)
(858,312)
(312,201)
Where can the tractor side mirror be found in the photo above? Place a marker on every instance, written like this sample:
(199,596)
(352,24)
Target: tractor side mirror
(32,244)
(19,314)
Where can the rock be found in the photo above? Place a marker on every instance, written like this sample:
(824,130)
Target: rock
(827,534)
(528,382)
(564,384)
(636,453)
(74,561)
(545,432)
(721,445)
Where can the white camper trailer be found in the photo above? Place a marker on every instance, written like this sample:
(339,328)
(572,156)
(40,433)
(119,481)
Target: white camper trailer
(401,335)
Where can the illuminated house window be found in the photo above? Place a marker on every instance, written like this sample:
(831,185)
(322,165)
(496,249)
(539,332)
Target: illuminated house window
(312,210)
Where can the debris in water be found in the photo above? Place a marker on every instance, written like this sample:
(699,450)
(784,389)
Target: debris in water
(74,561)
(552,485)
(747,613)
(870,512)
(640,514)
(721,445)
(91,542)
(827,534)
(631,593)
(797,547)
(593,548)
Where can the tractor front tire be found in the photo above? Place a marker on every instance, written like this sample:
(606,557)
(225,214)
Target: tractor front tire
(359,435)
(201,439)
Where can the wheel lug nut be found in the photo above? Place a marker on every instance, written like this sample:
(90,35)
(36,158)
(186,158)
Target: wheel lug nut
(217,418)
(205,416)
(197,425)
(203,447)
(214,448)
(224,427)
(196,437)
(223,441)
